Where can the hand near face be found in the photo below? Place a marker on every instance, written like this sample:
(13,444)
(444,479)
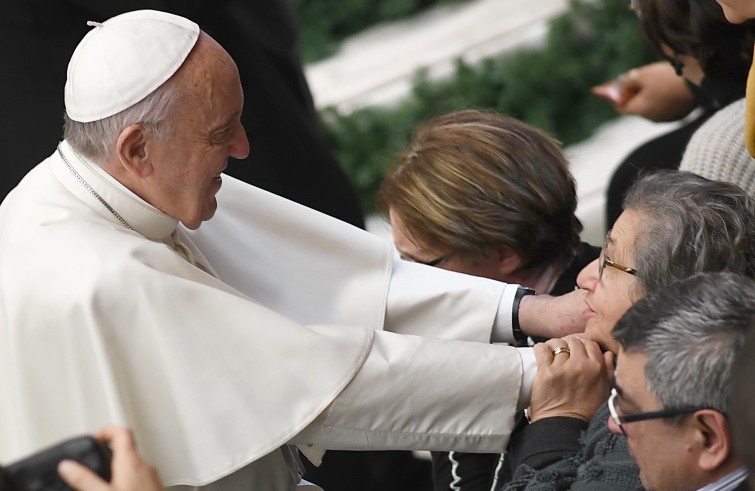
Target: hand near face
(553,317)
(130,472)
(571,383)
(653,91)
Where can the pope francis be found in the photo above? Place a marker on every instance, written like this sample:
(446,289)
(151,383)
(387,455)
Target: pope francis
(231,348)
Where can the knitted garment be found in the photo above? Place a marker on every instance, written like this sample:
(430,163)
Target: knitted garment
(717,150)
(603,464)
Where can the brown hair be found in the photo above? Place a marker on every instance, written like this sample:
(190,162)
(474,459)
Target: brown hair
(473,180)
(698,28)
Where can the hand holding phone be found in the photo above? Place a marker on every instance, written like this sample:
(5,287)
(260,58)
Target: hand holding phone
(39,472)
(129,471)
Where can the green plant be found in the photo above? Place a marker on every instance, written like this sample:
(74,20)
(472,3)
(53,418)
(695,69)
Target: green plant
(548,87)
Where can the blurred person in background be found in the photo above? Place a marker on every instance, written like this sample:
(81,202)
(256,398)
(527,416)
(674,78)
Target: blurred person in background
(485,194)
(708,59)
(741,12)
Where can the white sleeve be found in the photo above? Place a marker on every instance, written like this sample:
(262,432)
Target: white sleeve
(420,393)
(433,302)
(529,370)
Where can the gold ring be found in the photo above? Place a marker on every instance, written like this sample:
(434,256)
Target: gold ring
(561,349)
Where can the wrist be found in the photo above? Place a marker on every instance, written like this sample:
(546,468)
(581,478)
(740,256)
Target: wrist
(516,313)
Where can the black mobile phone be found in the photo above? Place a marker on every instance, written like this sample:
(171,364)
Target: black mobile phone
(39,472)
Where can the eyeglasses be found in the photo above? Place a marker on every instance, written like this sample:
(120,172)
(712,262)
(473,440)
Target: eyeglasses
(621,419)
(603,261)
(433,262)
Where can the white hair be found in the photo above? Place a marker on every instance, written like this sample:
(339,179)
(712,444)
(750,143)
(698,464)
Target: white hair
(95,140)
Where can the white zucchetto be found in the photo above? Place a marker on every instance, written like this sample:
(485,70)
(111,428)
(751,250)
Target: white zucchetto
(123,60)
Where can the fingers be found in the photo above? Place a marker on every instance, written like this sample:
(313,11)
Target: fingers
(79,477)
(120,439)
(572,347)
(547,352)
(610,361)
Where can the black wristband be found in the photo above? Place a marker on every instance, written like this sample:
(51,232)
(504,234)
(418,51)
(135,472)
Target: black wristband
(516,330)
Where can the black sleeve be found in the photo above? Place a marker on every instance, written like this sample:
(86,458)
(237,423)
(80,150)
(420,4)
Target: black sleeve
(545,441)
(465,471)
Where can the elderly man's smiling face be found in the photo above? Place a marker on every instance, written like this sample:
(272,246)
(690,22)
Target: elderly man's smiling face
(609,296)
(208,131)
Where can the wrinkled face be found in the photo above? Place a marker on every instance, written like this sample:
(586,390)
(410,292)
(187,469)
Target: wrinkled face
(737,11)
(658,447)
(187,166)
(609,297)
(410,251)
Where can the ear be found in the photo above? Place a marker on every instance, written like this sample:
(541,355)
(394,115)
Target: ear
(132,148)
(508,260)
(714,439)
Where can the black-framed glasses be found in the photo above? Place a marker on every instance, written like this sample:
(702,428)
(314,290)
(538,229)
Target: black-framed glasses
(604,261)
(621,419)
(432,262)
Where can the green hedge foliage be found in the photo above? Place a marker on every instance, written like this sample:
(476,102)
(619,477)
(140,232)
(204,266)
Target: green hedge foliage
(548,87)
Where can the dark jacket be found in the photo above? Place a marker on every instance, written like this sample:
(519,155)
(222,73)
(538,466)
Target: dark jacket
(478,472)
(569,459)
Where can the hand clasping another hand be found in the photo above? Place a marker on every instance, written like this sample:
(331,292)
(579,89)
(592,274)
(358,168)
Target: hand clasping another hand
(573,378)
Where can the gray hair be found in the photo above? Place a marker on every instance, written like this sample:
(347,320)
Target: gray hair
(691,225)
(95,140)
(691,334)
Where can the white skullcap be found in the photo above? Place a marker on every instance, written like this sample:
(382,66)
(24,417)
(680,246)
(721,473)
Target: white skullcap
(123,60)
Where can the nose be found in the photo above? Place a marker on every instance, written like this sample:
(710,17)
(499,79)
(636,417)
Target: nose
(239,148)
(588,277)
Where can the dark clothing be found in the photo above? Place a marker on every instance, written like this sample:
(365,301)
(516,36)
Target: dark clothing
(554,454)
(666,151)
(479,472)
(289,155)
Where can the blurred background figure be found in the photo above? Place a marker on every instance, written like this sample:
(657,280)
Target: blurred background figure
(711,55)
(289,155)
(488,195)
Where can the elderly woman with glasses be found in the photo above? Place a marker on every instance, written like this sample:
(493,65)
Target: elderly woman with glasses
(674,224)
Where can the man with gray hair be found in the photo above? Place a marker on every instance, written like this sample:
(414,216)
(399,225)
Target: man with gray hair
(673,382)
(116,308)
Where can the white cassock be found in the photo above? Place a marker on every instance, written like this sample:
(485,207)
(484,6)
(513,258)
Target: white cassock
(112,313)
